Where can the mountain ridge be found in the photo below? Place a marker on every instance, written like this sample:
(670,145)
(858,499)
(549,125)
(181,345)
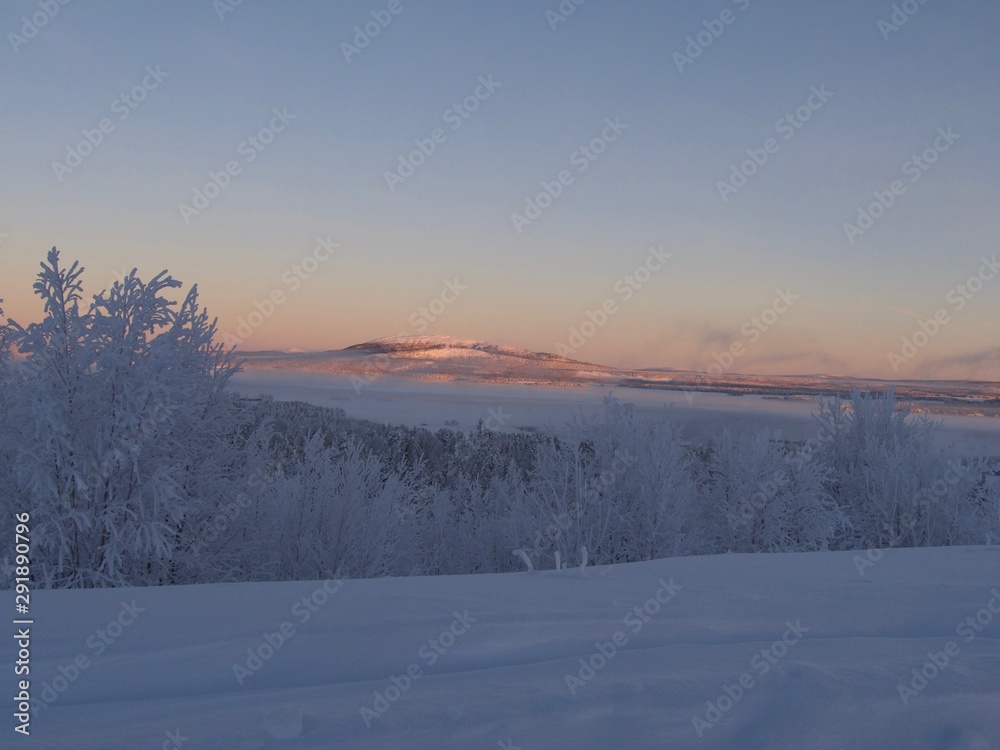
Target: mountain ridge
(445,358)
(389,344)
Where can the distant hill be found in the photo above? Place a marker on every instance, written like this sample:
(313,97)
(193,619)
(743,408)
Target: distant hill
(449,346)
(450,358)
(440,358)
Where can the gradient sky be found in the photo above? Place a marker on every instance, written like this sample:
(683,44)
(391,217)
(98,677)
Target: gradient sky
(323,175)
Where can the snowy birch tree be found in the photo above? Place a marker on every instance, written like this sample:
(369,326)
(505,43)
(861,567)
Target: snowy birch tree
(116,428)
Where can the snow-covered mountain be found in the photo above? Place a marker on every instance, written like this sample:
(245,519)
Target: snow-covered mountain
(440,358)
(443,358)
(448,346)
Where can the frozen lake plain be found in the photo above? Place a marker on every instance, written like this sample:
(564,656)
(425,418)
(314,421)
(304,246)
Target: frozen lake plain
(459,404)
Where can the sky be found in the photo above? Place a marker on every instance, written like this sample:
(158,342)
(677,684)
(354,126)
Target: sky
(762,187)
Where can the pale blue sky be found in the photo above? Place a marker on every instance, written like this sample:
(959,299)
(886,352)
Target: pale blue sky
(656,184)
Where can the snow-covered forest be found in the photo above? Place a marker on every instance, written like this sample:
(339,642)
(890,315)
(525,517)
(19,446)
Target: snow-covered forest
(139,468)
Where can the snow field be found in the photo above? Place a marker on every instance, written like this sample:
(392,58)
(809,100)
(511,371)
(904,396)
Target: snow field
(800,650)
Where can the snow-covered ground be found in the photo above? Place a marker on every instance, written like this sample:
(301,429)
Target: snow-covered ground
(527,407)
(740,651)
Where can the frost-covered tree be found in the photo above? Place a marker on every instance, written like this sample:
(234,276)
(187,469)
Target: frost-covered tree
(471,527)
(758,498)
(895,483)
(622,489)
(116,429)
(336,512)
